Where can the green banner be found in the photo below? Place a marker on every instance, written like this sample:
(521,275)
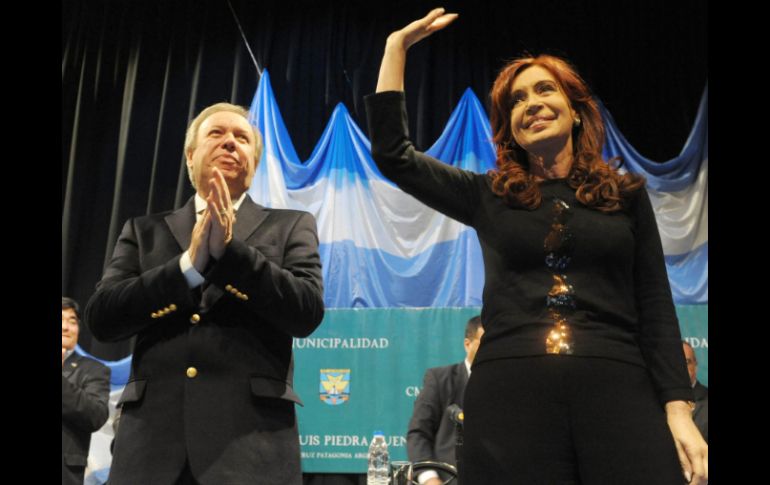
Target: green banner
(362,370)
(694,325)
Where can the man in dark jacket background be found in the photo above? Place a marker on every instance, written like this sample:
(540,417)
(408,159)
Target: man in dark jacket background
(432,432)
(85,392)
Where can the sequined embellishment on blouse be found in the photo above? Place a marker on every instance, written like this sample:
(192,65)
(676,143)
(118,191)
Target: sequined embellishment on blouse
(559,246)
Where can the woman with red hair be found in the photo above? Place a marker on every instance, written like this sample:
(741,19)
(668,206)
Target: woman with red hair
(580,376)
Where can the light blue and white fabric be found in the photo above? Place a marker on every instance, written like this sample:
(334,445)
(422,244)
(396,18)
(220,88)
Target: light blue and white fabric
(381,248)
(678,191)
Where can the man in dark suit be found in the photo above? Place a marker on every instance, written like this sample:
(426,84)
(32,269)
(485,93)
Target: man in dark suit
(214,293)
(701,412)
(432,433)
(85,391)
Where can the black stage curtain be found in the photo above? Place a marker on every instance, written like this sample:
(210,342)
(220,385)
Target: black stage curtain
(134,73)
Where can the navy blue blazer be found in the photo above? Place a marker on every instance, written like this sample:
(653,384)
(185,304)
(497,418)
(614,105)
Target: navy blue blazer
(212,374)
(85,393)
(431,435)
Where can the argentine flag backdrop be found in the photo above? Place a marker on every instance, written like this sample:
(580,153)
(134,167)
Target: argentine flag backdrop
(401,280)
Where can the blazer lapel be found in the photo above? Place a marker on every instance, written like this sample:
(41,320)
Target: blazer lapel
(70,365)
(249,216)
(181,223)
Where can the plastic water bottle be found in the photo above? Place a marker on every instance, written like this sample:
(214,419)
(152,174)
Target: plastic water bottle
(379,461)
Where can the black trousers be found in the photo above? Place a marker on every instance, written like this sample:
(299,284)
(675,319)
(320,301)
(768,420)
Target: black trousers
(557,419)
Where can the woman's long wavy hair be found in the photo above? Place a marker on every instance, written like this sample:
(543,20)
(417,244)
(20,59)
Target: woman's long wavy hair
(597,183)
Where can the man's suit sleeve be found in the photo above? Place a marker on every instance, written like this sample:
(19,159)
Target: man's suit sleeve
(289,296)
(84,404)
(421,437)
(126,298)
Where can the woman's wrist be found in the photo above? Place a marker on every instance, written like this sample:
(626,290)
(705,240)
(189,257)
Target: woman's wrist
(395,41)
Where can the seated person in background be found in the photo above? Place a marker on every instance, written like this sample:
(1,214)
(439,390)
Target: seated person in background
(432,433)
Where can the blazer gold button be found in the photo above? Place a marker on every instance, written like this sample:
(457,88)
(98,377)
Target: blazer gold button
(192,372)
(172,307)
(195,318)
(153,315)
(234,291)
(228,287)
